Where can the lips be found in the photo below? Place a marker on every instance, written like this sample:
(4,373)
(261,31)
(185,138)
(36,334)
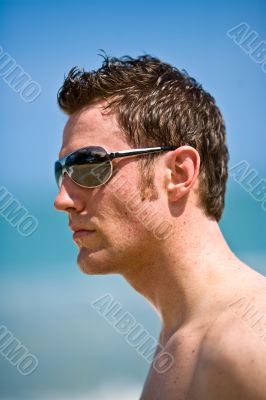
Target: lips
(80,231)
(77,228)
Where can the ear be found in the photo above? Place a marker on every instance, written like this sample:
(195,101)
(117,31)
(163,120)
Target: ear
(182,170)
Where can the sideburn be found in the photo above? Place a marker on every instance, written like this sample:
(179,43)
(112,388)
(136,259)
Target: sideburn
(146,180)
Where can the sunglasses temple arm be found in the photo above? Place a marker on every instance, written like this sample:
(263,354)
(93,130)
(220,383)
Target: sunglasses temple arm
(130,153)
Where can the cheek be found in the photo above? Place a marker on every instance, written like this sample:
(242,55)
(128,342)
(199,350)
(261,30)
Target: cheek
(123,213)
(137,217)
(122,208)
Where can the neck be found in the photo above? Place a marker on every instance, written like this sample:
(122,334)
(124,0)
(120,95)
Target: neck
(183,273)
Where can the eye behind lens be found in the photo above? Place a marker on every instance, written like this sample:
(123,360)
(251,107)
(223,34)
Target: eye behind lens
(87,155)
(89,175)
(58,173)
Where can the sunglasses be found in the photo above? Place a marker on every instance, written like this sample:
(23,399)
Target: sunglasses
(92,166)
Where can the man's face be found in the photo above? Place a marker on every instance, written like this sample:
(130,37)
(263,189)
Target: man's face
(118,239)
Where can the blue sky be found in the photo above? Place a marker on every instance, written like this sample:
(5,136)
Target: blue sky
(44,297)
(48,38)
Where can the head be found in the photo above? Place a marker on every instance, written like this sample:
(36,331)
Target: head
(138,103)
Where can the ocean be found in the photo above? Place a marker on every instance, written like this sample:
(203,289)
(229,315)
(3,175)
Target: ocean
(45,303)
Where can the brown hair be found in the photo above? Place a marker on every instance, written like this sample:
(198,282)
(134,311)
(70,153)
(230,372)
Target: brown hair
(158,105)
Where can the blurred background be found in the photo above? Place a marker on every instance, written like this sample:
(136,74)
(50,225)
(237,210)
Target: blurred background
(44,299)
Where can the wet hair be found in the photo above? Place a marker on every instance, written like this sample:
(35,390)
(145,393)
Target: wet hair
(156,104)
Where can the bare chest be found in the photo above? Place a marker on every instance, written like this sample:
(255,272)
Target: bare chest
(176,382)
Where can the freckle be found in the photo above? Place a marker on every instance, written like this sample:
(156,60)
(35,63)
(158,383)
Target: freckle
(193,351)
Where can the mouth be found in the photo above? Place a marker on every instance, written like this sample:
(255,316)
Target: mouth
(82,233)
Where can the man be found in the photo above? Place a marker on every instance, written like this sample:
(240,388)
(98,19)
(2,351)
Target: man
(142,176)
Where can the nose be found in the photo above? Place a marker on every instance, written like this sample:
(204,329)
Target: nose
(69,196)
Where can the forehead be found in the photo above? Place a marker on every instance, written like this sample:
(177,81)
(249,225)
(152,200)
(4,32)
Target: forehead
(92,126)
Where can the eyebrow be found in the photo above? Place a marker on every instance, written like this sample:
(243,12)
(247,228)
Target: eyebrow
(62,153)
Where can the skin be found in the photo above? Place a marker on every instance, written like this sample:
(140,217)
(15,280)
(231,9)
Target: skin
(204,295)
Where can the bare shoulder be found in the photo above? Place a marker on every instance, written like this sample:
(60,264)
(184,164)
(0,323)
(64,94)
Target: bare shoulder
(232,358)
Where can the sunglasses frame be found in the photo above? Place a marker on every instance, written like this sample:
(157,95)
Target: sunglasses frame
(109,157)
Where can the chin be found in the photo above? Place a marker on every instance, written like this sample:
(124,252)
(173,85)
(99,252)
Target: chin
(94,263)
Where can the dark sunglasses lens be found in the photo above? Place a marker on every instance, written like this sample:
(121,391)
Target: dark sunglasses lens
(58,173)
(90,175)
(89,167)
